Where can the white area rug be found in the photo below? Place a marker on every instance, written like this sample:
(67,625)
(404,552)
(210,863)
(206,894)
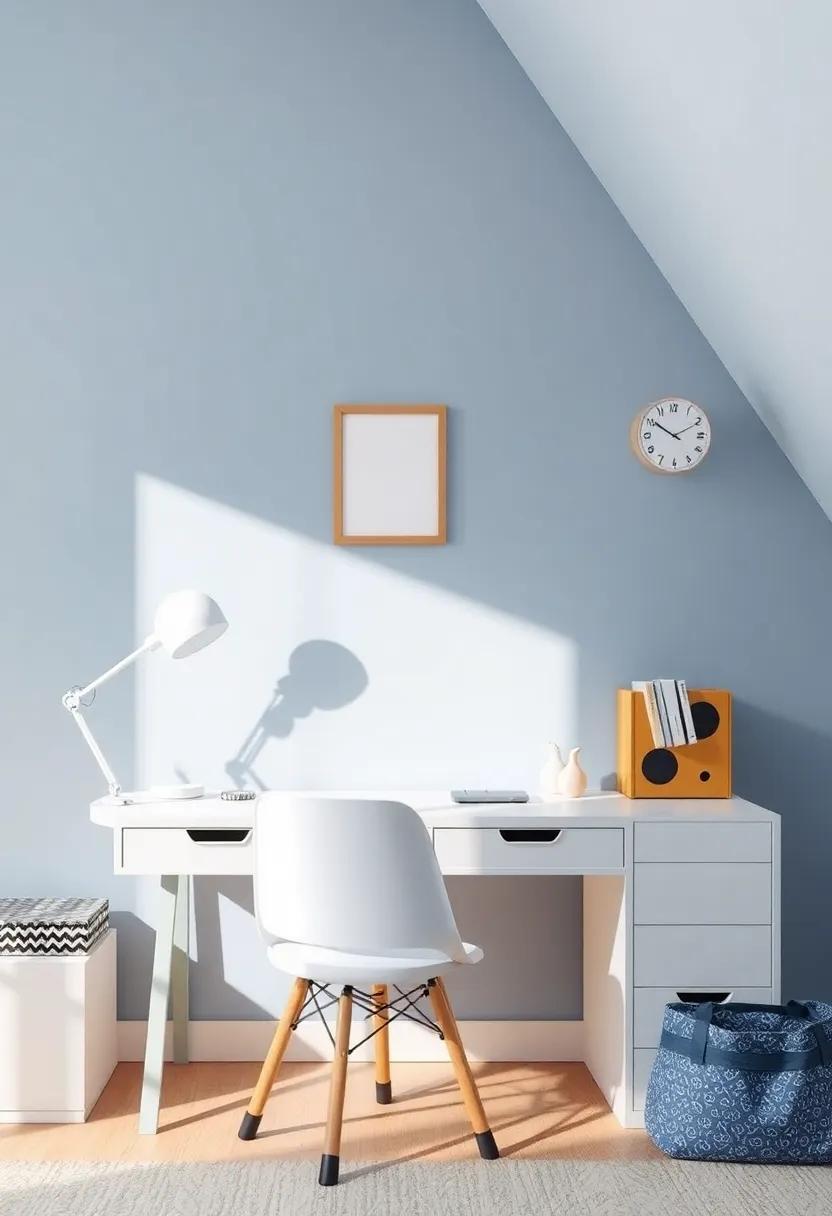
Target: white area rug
(504,1188)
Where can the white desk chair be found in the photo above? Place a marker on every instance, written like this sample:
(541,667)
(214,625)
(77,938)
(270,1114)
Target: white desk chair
(349,892)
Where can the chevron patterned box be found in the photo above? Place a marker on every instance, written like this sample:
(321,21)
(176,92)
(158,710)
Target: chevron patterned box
(52,926)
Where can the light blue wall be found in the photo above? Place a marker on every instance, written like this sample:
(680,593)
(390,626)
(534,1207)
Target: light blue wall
(220,218)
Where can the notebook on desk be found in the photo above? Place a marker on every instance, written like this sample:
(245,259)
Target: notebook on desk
(484,796)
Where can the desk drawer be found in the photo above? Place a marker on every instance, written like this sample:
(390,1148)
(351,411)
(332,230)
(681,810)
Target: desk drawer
(718,956)
(706,841)
(178,851)
(512,850)
(649,1003)
(711,894)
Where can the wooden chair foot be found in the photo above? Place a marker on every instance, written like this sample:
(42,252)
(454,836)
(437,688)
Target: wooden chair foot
(282,1034)
(249,1126)
(487,1145)
(462,1069)
(328,1174)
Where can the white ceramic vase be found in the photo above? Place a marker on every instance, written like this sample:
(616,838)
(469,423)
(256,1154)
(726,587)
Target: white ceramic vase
(572,778)
(550,774)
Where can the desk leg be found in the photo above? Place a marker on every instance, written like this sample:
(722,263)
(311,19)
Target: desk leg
(154,1052)
(608,991)
(179,972)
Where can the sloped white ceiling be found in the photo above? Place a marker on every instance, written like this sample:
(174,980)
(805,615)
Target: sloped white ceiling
(709,122)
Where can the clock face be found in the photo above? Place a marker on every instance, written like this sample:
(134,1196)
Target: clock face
(671,436)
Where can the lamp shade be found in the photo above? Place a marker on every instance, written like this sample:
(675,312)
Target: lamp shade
(187,621)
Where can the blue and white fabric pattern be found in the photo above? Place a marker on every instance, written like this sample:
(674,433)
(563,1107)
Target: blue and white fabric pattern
(737,1082)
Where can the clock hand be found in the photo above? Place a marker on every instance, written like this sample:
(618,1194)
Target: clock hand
(666,431)
(684,428)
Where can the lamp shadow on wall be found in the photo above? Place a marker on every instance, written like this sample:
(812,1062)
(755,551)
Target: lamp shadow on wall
(322,675)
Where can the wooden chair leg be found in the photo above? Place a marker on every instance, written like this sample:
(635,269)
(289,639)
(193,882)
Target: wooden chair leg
(464,1077)
(384,1090)
(330,1160)
(252,1117)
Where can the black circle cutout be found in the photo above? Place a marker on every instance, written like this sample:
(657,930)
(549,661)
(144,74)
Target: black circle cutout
(705,719)
(659,766)
(704,775)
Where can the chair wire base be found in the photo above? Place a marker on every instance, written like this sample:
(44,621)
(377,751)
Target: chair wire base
(404,1005)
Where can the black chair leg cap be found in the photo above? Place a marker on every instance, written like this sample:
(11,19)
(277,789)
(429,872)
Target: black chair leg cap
(384,1092)
(329,1170)
(249,1126)
(487,1145)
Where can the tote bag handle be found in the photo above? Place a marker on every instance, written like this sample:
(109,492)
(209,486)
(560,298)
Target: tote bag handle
(700,1051)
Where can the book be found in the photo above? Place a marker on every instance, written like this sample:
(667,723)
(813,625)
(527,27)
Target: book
(674,713)
(680,711)
(645,687)
(663,714)
(687,716)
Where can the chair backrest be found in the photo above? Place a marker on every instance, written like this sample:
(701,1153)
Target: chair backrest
(349,874)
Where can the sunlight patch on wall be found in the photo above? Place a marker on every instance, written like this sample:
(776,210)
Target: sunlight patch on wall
(335,671)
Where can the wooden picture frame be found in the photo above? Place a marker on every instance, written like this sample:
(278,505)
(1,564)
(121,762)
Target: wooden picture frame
(389,474)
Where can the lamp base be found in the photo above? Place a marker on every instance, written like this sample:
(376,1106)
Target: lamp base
(163,793)
(166,793)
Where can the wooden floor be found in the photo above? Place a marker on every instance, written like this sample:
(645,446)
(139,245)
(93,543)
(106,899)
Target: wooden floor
(535,1110)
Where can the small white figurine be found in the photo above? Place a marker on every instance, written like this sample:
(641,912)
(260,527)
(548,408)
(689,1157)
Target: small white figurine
(572,778)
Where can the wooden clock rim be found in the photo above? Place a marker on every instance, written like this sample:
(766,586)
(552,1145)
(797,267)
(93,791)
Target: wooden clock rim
(635,427)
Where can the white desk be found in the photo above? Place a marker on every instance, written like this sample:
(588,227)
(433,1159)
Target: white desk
(680,895)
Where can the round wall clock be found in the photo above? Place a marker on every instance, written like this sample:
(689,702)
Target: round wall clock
(671,436)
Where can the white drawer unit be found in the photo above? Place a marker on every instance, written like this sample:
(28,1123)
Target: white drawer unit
(721,956)
(735,893)
(703,842)
(512,850)
(185,851)
(649,1003)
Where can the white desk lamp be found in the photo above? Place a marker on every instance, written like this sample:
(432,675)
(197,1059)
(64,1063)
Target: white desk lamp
(185,622)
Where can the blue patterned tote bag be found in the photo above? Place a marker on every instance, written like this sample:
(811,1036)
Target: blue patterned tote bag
(738,1082)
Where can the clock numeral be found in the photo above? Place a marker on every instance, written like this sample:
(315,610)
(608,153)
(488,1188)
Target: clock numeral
(698,421)
(674,462)
(697,448)
(650,450)
(649,435)
(674,409)
(688,459)
(700,434)
(660,410)
(661,459)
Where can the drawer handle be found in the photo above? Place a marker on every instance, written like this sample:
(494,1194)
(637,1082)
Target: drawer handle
(698,998)
(530,835)
(219,835)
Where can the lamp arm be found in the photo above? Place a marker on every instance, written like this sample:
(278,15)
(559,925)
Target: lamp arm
(101,759)
(151,642)
(74,699)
